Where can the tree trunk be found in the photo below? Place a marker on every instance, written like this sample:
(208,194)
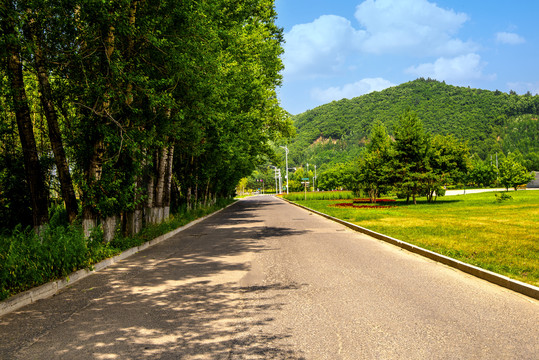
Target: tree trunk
(189,198)
(150,190)
(95,166)
(160,186)
(130,48)
(38,190)
(66,184)
(109,227)
(168,183)
(92,175)
(196,192)
(132,220)
(206,193)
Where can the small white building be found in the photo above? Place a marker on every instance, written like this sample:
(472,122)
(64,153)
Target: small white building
(534,183)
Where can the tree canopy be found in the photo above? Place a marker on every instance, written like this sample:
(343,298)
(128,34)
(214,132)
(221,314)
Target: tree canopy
(489,121)
(152,104)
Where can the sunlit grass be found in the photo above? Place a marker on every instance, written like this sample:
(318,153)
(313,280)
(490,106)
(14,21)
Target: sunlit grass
(319,195)
(499,236)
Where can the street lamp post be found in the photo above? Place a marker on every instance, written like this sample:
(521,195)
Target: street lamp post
(286,152)
(314,179)
(307,171)
(275,169)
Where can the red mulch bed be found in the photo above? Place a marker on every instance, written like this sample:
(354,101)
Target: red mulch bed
(349,205)
(369,200)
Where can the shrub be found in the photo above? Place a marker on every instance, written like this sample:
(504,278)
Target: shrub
(502,196)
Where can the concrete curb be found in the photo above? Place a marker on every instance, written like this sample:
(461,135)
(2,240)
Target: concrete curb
(49,289)
(515,285)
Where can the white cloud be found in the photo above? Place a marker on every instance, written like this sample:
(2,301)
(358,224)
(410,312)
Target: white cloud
(349,91)
(456,70)
(524,87)
(409,27)
(509,38)
(321,46)
(412,27)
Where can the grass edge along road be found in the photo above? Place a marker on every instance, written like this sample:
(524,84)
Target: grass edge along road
(477,229)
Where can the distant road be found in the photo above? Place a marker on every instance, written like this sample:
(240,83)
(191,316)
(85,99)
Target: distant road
(264,279)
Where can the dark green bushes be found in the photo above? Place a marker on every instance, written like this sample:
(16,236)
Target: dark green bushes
(28,259)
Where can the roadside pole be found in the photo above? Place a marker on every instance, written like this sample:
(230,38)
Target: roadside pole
(305,182)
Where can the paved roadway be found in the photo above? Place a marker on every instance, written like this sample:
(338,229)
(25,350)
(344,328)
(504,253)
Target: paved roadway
(266,280)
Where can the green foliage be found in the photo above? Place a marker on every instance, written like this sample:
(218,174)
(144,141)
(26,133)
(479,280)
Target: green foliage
(320,195)
(28,259)
(512,173)
(413,164)
(374,171)
(447,160)
(129,79)
(489,121)
(502,196)
(339,176)
(409,158)
(521,134)
(482,173)
(14,196)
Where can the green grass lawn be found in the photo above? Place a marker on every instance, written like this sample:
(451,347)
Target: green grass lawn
(500,236)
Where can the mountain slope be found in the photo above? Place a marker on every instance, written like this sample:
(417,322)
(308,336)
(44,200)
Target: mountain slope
(487,120)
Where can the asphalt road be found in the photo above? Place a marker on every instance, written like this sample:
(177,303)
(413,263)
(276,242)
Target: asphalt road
(266,280)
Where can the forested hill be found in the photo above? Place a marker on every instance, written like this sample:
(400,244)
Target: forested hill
(491,121)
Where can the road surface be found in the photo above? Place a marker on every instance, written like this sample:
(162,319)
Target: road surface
(264,279)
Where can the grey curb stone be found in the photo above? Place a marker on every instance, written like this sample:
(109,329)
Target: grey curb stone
(51,288)
(500,280)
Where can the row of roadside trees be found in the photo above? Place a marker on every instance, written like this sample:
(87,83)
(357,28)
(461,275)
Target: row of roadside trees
(123,109)
(413,163)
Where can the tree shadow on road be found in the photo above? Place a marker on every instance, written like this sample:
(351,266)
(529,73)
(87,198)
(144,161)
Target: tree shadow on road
(177,300)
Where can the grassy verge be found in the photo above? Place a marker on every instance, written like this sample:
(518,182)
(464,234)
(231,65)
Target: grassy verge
(27,260)
(479,229)
(319,195)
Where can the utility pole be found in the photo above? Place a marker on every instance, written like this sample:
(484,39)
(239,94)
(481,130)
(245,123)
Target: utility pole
(275,168)
(280,182)
(314,179)
(307,177)
(286,152)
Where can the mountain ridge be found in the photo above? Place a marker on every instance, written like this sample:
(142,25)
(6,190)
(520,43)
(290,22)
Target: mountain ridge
(489,121)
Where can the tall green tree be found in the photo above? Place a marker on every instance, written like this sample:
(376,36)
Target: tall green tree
(374,167)
(482,172)
(12,47)
(447,163)
(409,162)
(37,15)
(512,173)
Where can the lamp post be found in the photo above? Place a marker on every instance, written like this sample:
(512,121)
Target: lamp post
(286,152)
(307,170)
(275,169)
(314,179)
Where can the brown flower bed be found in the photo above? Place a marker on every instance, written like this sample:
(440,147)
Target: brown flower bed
(360,201)
(350,205)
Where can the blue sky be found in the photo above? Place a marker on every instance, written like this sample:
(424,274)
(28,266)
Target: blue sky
(347,48)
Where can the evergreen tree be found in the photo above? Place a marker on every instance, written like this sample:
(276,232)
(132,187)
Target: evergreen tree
(409,162)
(374,168)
